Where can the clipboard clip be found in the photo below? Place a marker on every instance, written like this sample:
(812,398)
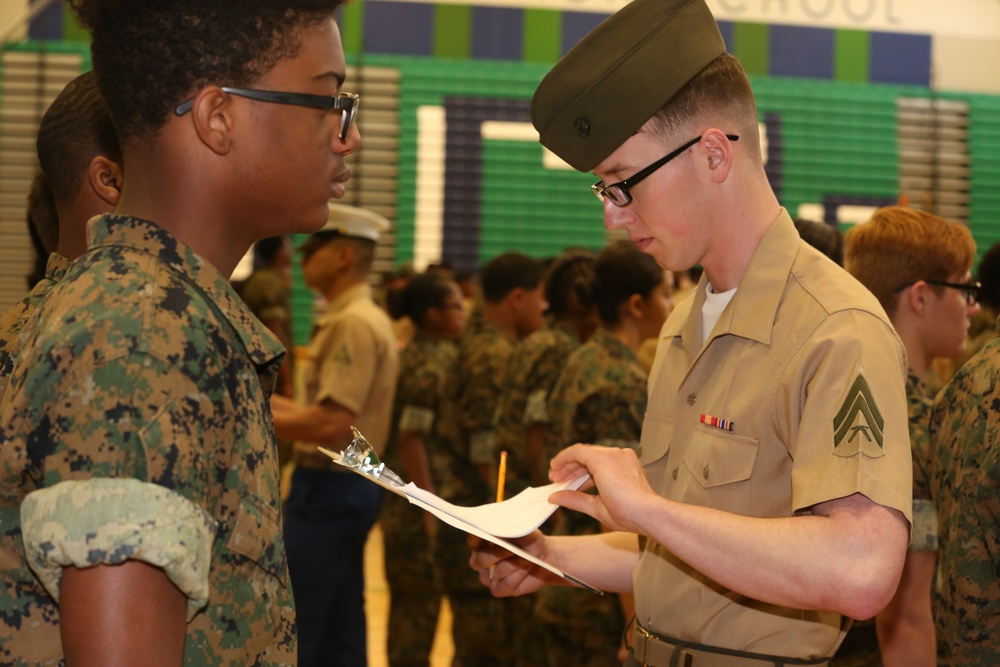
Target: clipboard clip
(361,456)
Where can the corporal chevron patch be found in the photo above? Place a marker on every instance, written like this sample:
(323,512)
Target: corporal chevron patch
(857,427)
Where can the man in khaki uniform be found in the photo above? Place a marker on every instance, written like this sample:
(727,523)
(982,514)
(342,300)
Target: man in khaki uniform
(350,380)
(772,493)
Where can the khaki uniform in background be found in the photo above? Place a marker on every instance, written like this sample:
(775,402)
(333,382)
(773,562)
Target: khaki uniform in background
(136,426)
(352,361)
(965,485)
(797,362)
(415,592)
(600,398)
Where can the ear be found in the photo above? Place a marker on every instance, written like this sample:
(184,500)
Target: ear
(515,297)
(719,154)
(106,179)
(916,297)
(212,116)
(634,306)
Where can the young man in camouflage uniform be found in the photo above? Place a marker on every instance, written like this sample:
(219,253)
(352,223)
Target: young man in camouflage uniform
(773,488)
(80,158)
(600,397)
(464,459)
(918,266)
(136,434)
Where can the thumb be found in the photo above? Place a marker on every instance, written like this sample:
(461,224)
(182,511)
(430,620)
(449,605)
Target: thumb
(574,500)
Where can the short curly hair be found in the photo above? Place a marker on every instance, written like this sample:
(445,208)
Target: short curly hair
(150,55)
(76,128)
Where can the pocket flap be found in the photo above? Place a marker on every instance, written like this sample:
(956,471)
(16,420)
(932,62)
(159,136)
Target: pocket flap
(257,535)
(717,458)
(654,443)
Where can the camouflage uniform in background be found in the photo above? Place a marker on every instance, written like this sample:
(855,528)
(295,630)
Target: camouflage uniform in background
(464,439)
(533,370)
(415,594)
(136,426)
(860,647)
(268,298)
(600,398)
(12,321)
(965,485)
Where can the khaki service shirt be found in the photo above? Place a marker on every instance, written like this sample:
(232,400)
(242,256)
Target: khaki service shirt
(353,361)
(804,363)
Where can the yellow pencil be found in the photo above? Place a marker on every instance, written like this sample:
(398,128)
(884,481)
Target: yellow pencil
(501,476)
(501,480)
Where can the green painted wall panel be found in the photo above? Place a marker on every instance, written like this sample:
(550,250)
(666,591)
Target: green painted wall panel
(751,44)
(851,53)
(452,31)
(542,35)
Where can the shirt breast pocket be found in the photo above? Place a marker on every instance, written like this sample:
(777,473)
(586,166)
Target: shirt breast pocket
(654,445)
(721,465)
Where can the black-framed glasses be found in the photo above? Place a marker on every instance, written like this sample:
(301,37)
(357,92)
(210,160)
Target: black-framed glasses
(346,103)
(970,289)
(619,193)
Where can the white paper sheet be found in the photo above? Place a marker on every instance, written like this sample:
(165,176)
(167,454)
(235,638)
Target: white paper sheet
(493,522)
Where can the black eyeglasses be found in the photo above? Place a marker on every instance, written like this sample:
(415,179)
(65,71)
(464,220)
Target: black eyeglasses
(618,192)
(971,289)
(346,103)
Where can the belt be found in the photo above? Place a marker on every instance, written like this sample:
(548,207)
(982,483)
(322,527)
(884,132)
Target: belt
(653,650)
(310,458)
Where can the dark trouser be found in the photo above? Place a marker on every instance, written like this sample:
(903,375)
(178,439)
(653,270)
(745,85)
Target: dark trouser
(327,519)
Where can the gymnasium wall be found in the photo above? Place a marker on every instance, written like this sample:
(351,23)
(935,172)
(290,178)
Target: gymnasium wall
(461,174)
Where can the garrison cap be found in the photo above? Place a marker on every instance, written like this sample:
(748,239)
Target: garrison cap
(613,81)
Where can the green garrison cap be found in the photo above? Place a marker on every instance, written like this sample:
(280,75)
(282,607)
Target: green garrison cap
(614,80)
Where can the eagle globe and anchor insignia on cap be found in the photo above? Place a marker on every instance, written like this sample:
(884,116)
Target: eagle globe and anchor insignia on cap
(858,425)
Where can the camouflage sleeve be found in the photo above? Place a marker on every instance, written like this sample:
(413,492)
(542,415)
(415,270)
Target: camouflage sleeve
(103,521)
(416,419)
(487,367)
(611,416)
(535,410)
(924,532)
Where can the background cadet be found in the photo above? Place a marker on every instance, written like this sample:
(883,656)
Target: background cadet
(350,380)
(136,425)
(464,462)
(520,417)
(267,293)
(774,482)
(918,266)
(984,324)
(964,432)
(822,236)
(81,176)
(43,226)
(433,302)
(600,397)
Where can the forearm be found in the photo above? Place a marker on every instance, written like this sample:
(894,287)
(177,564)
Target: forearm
(323,423)
(416,465)
(605,561)
(905,627)
(848,561)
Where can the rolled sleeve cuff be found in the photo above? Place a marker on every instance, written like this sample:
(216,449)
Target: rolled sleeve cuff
(416,420)
(535,410)
(101,521)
